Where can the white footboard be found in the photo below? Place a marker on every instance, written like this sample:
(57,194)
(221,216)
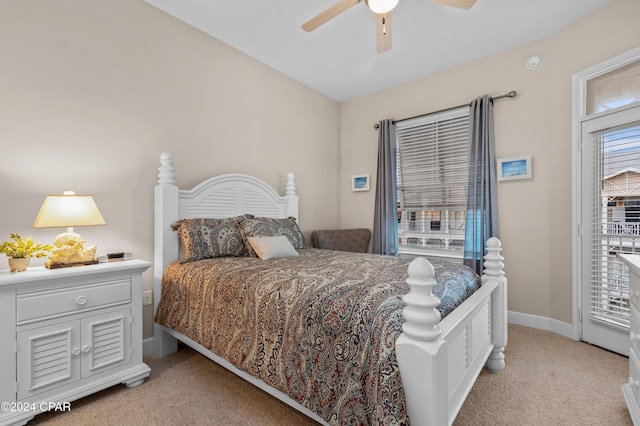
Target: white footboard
(440,360)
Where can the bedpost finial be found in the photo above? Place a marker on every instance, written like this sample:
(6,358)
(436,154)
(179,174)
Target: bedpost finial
(494,243)
(493,265)
(421,315)
(166,172)
(420,269)
(290,186)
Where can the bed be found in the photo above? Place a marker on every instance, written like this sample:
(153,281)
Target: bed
(428,366)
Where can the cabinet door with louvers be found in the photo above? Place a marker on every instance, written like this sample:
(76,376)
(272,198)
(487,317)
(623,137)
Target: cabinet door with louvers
(66,352)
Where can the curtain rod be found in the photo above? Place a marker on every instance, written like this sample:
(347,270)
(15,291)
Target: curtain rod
(511,94)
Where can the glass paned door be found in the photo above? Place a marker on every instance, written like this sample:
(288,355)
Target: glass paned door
(610,224)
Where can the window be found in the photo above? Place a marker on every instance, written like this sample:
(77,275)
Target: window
(432,174)
(614,89)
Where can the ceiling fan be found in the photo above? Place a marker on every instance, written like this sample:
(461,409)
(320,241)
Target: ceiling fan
(382,9)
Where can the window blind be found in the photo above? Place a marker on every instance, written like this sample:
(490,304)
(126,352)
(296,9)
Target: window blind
(616,225)
(614,89)
(432,161)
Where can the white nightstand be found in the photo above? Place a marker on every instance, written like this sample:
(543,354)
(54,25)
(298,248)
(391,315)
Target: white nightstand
(66,333)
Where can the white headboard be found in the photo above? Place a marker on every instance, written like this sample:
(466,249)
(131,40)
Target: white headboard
(221,196)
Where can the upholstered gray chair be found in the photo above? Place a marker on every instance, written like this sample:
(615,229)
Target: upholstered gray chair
(354,240)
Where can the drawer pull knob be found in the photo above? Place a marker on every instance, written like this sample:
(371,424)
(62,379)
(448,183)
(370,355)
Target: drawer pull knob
(75,351)
(81,300)
(634,383)
(633,336)
(86,349)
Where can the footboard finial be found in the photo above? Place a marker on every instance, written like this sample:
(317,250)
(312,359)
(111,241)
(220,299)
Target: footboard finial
(494,270)
(421,315)
(166,172)
(493,265)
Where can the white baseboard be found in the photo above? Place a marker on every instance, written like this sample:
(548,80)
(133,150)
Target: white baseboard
(543,323)
(147,347)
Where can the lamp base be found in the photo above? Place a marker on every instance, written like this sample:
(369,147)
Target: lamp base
(57,265)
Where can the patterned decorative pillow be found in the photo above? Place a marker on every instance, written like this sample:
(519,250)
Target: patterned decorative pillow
(270,227)
(206,238)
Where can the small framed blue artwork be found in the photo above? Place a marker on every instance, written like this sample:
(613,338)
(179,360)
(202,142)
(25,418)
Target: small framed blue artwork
(514,168)
(360,182)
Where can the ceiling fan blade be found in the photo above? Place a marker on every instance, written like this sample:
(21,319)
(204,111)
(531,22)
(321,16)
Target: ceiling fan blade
(462,4)
(383,32)
(328,14)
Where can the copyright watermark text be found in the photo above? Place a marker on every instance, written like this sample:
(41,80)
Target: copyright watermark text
(23,407)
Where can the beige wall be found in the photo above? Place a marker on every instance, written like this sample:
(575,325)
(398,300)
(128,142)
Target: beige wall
(92,91)
(535,215)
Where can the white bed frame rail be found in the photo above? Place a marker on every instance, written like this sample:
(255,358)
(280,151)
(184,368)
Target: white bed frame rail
(439,360)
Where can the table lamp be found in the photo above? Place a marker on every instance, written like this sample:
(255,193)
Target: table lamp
(69,210)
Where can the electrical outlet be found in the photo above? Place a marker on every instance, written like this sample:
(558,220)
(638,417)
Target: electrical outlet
(147,297)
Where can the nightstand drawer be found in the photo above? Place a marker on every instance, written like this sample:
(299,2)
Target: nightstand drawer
(54,303)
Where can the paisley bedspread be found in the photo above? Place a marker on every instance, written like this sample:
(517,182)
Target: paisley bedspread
(320,327)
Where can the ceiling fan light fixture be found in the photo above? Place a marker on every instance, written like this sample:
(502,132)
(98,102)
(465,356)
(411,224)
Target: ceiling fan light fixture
(381,6)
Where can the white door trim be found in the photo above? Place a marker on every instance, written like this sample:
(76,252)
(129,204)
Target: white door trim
(578,115)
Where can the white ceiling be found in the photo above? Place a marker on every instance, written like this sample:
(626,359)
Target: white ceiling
(339,58)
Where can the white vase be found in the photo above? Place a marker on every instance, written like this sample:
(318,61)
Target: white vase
(18,264)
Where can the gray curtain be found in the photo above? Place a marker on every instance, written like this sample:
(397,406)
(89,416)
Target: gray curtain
(482,208)
(385,217)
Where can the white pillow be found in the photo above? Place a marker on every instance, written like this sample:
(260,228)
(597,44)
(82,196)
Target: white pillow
(272,247)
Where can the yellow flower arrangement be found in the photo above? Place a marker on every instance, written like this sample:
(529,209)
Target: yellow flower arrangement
(24,248)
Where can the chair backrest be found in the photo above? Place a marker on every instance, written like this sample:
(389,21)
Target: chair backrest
(355,240)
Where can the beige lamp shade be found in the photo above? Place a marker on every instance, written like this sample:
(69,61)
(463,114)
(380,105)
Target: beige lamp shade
(67,211)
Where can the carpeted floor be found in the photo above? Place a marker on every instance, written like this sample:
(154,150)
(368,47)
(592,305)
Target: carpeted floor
(549,380)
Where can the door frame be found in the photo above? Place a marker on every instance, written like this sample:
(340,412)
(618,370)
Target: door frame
(578,116)
(613,338)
